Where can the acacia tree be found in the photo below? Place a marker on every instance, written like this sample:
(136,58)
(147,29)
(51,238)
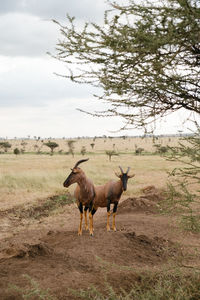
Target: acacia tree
(51,145)
(5,146)
(146,58)
(184,182)
(71,146)
(111,153)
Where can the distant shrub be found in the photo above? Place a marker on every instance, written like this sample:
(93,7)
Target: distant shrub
(111,153)
(83,150)
(16,151)
(23,144)
(92,145)
(71,146)
(139,151)
(51,145)
(5,146)
(161,149)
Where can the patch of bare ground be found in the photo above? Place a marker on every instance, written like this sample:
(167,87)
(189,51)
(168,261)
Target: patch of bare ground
(58,259)
(147,202)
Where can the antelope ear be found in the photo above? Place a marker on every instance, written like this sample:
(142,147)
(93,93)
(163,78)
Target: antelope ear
(117,174)
(130,176)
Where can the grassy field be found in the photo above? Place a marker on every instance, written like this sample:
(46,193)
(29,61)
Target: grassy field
(95,145)
(25,178)
(29,176)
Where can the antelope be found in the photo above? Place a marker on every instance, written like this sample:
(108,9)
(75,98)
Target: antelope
(110,193)
(84,194)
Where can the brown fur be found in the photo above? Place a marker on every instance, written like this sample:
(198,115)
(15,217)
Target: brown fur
(84,193)
(110,193)
(112,189)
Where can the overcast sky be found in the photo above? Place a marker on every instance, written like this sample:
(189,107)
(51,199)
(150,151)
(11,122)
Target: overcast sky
(34,101)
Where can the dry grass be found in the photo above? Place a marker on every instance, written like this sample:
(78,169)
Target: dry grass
(26,178)
(128,144)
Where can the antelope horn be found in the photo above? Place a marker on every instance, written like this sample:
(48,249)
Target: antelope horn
(128,170)
(121,169)
(80,161)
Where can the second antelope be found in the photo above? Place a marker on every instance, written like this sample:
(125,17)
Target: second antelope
(84,194)
(110,193)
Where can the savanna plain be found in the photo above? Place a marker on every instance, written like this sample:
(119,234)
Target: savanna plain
(150,256)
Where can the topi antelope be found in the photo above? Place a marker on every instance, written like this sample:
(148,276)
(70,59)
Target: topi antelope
(110,193)
(84,194)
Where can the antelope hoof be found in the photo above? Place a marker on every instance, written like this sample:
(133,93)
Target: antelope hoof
(79,233)
(114,229)
(86,227)
(108,228)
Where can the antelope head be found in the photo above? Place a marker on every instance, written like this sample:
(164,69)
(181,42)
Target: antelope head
(124,177)
(75,174)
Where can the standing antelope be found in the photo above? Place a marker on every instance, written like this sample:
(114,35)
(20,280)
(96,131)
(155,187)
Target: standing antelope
(110,193)
(84,194)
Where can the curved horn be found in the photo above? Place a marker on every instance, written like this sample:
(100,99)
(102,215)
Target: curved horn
(80,161)
(121,169)
(127,170)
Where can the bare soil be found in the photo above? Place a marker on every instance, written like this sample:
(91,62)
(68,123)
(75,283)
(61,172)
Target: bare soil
(46,247)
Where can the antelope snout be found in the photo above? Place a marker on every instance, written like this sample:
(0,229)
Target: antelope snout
(65,184)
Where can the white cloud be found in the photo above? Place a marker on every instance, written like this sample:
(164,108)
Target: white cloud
(82,9)
(61,119)
(33,100)
(26,35)
(54,120)
(31,82)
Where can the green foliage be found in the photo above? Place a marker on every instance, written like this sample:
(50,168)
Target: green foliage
(181,195)
(161,149)
(83,150)
(5,146)
(149,286)
(145,58)
(23,144)
(92,145)
(190,222)
(71,146)
(16,151)
(139,151)
(111,153)
(51,145)
(33,291)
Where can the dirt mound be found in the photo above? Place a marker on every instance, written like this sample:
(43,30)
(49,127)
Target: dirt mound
(161,247)
(24,250)
(61,259)
(147,202)
(126,247)
(41,209)
(153,194)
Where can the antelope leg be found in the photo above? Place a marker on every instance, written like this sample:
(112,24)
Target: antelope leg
(81,218)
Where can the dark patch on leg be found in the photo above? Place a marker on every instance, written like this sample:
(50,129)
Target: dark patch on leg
(80,207)
(93,211)
(108,205)
(115,207)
